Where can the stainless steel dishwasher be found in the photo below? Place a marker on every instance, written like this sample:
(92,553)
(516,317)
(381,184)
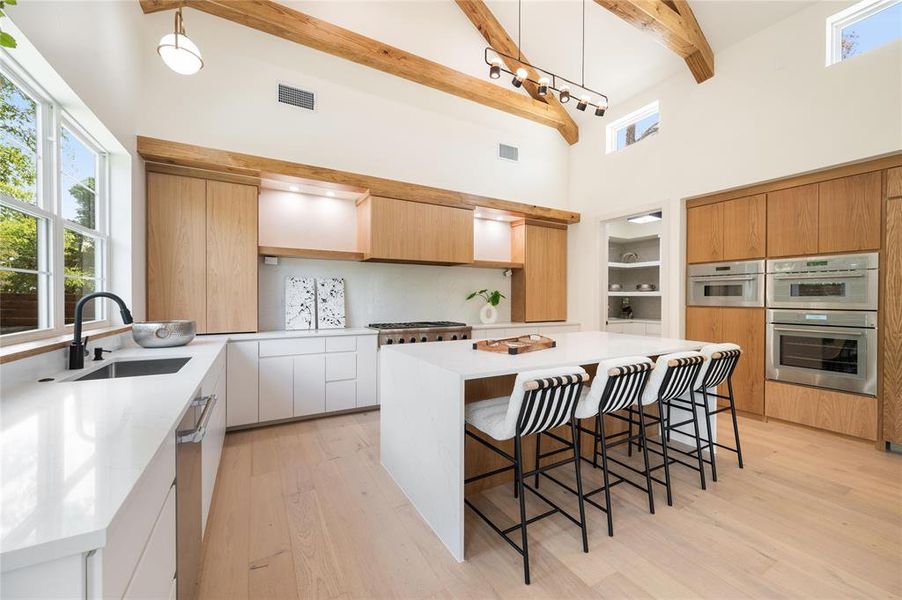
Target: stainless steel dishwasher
(189,435)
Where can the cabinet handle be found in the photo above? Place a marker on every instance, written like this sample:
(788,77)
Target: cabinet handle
(197,434)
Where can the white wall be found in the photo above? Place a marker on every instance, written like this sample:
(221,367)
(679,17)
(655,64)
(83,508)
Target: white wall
(94,72)
(381,292)
(366,121)
(771,110)
(295,220)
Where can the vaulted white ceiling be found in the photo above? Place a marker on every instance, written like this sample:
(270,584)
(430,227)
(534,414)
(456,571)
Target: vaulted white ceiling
(620,60)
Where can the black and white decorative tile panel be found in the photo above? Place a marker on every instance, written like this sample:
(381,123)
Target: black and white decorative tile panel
(330,303)
(300,302)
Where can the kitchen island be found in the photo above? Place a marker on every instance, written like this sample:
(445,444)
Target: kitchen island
(423,389)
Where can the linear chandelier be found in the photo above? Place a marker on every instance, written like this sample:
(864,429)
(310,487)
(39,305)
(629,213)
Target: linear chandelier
(546,80)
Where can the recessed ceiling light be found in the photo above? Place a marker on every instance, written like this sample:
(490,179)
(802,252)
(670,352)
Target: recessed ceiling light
(330,193)
(499,218)
(294,188)
(655,216)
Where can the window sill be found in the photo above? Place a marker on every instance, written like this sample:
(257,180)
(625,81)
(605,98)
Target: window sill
(22,350)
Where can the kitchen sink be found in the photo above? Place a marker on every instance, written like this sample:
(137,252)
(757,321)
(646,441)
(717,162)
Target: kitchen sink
(136,368)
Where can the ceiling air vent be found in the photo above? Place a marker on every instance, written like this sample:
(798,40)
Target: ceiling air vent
(297,97)
(511,153)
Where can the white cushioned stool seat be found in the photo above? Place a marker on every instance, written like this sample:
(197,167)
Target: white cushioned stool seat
(650,394)
(588,404)
(497,417)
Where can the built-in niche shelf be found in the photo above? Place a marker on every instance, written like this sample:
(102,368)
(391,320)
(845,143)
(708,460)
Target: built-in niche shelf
(635,294)
(309,253)
(635,265)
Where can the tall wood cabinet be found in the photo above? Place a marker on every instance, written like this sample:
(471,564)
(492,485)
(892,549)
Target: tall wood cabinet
(202,252)
(539,289)
(891,347)
(792,216)
(743,326)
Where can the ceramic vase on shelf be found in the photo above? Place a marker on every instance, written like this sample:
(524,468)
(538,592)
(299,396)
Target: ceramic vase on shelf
(488,314)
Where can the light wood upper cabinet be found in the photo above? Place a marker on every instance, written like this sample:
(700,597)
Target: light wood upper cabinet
(894,182)
(744,228)
(792,221)
(231,257)
(389,229)
(704,233)
(849,213)
(743,326)
(202,252)
(539,289)
(176,249)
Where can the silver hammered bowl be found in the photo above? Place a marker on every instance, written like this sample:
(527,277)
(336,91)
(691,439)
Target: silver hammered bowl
(163,334)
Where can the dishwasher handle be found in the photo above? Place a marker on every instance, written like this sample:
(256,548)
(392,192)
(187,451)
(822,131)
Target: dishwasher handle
(193,436)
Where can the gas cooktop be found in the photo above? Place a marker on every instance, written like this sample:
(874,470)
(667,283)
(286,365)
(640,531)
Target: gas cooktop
(416,325)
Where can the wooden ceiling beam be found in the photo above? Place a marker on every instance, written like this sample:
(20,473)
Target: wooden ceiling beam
(248,165)
(672,23)
(278,20)
(496,37)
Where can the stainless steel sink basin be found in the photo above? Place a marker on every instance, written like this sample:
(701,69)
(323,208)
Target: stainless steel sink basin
(135,368)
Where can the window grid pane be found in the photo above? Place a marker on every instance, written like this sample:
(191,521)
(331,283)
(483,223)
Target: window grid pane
(871,32)
(18,143)
(76,287)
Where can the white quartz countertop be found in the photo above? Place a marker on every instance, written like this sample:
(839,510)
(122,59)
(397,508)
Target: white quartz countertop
(578,348)
(74,450)
(520,324)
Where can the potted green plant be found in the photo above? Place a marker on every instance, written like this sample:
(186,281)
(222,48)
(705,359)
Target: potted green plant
(488,314)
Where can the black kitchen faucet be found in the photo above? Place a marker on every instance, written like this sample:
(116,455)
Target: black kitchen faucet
(77,347)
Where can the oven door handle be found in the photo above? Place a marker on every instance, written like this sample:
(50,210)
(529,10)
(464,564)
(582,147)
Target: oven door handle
(714,279)
(824,276)
(818,330)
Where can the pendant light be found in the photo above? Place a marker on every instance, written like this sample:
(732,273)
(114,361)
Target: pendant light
(178,52)
(546,81)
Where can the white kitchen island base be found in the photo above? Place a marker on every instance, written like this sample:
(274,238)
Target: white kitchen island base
(421,390)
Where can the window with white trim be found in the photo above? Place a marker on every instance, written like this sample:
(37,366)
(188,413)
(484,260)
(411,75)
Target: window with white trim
(54,239)
(633,128)
(863,27)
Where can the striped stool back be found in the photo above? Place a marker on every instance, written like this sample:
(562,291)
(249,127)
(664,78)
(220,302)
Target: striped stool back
(549,402)
(624,386)
(673,376)
(720,367)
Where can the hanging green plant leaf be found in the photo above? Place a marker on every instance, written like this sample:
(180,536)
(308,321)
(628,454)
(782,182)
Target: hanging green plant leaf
(6,40)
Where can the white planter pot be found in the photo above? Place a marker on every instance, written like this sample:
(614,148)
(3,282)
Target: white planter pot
(488,314)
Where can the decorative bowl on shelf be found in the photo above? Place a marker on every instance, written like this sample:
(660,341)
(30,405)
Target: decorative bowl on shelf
(629,257)
(646,287)
(615,287)
(163,334)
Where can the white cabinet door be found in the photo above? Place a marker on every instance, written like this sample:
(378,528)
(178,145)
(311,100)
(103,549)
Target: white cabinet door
(653,329)
(309,385)
(634,328)
(341,366)
(153,575)
(341,395)
(614,327)
(367,367)
(211,448)
(276,388)
(242,384)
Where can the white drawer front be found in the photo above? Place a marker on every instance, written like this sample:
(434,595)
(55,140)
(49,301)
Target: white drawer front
(341,366)
(153,575)
(295,346)
(345,343)
(653,329)
(341,395)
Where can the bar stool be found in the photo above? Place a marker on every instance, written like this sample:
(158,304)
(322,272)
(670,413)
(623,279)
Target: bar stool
(618,384)
(541,400)
(674,376)
(721,363)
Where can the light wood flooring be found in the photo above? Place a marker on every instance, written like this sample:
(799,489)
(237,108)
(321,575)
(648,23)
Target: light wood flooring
(305,510)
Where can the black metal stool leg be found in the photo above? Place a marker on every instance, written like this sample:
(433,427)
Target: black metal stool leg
(595,442)
(607,482)
(538,457)
(667,422)
(579,484)
(735,423)
(518,469)
(665,435)
(629,437)
(698,441)
(651,493)
(710,433)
